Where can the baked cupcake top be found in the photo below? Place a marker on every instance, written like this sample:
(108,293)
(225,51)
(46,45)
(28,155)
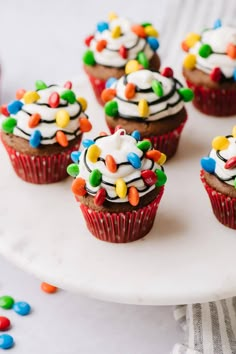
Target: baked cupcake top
(221,160)
(119,40)
(50,114)
(144,94)
(213,52)
(117,168)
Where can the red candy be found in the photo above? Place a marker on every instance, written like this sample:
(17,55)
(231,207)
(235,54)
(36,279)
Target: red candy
(167,72)
(88,40)
(123,52)
(149,177)
(68,85)
(54,100)
(4,110)
(231,163)
(216,75)
(4,323)
(100,197)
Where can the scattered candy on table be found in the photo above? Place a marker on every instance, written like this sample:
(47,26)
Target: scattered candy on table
(6,341)
(22,308)
(48,288)
(5,323)
(6,302)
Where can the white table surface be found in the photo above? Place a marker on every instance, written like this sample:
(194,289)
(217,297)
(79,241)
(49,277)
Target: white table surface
(44,40)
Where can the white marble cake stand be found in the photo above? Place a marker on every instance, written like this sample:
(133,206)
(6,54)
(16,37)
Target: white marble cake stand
(187,257)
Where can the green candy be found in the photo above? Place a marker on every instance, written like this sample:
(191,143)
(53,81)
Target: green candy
(111,108)
(68,96)
(235,183)
(95,178)
(161,178)
(186,94)
(73,170)
(157,88)
(205,50)
(88,58)
(8,125)
(144,145)
(6,302)
(146,24)
(40,85)
(143,60)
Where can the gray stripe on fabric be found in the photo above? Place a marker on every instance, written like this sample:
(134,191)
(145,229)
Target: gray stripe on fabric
(217,342)
(197,324)
(228,326)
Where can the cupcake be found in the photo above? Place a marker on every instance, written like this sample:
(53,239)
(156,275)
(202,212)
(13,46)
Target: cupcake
(218,175)
(41,129)
(119,182)
(210,69)
(148,101)
(113,44)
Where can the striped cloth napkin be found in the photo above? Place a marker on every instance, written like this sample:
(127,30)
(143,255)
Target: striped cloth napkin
(209,328)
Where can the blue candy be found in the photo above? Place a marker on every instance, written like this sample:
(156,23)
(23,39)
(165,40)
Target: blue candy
(102,26)
(234,74)
(153,42)
(75,155)
(134,159)
(217,23)
(6,341)
(110,82)
(35,139)
(22,308)
(136,135)
(208,164)
(88,142)
(14,107)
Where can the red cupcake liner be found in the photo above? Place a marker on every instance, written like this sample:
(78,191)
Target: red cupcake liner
(166,143)
(121,227)
(41,169)
(215,102)
(224,207)
(98,86)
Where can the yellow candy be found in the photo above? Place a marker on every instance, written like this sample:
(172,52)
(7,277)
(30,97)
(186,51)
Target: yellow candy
(143,108)
(131,66)
(121,188)
(31,97)
(220,143)
(191,39)
(93,153)
(116,32)
(190,61)
(62,118)
(112,16)
(162,159)
(83,103)
(151,31)
(234,131)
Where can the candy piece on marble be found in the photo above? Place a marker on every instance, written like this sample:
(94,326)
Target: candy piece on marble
(186,94)
(6,341)
(34,120)
(110,82)
(4,110)
(102,26)
(112,16)
(133,196)
(157,88)
(167,72)
(22,308)
(20,94)
(54,100)
(5,323)
(149,177)
(85,125)
(83,103)
(101,45)
(139,31)
(144,145)
(220,143)
(217,23)
(143,108)
(123,52)
(111,163)
(161,178)
(190,61)
(231,163)
(8,125)
(131,66)
(108,94)
(151,31)
(143,60)
(208,164)
(6,302)
(130,90)
(78,186)
(35,138)
(162,159)
(100,197)
(192,38)
(93,153)
(68,85)
(88,58)
(231,50)
(136,135)
(116,32)
(153,42)
(205,50)
(14,106)
(75,156)
(73,170)
(95,178)
(61,138)
(68,96)
(87,142)
(48,288)
(111,108)
(62,118)
(88,40)
(134,160)
(216,74)
(153,155)
(31,97)
(40,85)
(121,188)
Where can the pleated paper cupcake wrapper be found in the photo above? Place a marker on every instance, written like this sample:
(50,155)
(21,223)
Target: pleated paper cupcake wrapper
(224,207)
(166,143)
(215,102)
(98,86)
(41,169)
(121,227)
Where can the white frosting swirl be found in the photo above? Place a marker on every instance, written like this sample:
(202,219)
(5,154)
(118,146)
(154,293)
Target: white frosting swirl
(218,39)
(159,107)
(110,55)
(48,127)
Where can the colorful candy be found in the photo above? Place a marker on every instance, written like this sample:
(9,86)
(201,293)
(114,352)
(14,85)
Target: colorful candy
(205,50)
(111,108)
(131,66)
(139,31)
(231,50)
(108,94)
(68,85)
(116,32)
(161,178)
(130,90)
(62,118)
(6,302)
(14,107)
(217,24)
(34,120)
(192,39)
(234,75)
(88,40)
(110,82)
(73,170)
(83,103)
(75,156)
(216,75)
(143,60)
(133,196)
(231,163)
(48,288)
(186,94)
(110,163)
(123,52)
(121,188)
(93,153)
(144,145)
(102,26)
(136,135)
(167,72)
(8,125)
(112,16)
(40,85)
(22,308)
(149,177)
(87,142)
(143,108)
(153,155)
(208,164)
(85,125)
(4,110)
(100,197)
(35,139)
(6,341)
(101,45)
(61,138)
(190,61)
(20,94)
(220,143)
(134,160)
(68,96)
(78,187)
(31,97)
(5,323)
(88,58)
(95,178)
(54,100)
(157,88)
(153,42)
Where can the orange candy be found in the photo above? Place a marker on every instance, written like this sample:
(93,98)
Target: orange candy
(130,90)
(61,138)
(111,164)
(184,46)
(85,125)
(34,120)
(48,288)
(20,93)
(139,30)
(153,155)
(108,94)
(101,45)
(133,196)
(231,50)
(78,187)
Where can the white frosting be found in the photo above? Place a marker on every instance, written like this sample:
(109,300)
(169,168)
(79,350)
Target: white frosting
(110,56)
(118,146)
(159,107)
(218,39)
(47,129)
